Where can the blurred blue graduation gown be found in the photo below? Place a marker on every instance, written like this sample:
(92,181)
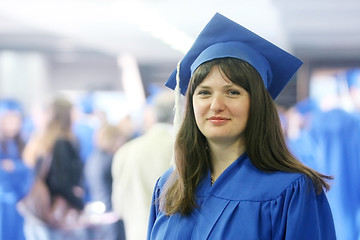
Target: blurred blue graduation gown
(246,203)
(13,186)
(336,134)
(303,149)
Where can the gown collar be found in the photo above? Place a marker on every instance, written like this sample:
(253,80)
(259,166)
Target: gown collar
(204,188)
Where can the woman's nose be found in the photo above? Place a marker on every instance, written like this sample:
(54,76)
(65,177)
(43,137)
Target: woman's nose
(217,104)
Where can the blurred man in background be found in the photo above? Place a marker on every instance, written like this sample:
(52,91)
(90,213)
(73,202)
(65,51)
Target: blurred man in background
(138,164)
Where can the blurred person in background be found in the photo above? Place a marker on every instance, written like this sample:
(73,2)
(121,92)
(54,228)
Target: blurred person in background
(12,143)
(15,177)
(298,122)
(353,81)
(335,136)
(84,125)
(54,145)
(138,163)
(326,137)
(108,139)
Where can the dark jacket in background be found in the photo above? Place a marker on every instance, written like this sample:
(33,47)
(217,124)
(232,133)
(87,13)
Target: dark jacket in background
(66,172)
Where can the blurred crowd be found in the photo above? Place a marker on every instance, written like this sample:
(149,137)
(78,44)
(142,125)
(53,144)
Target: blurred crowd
(99,175)
(57,173)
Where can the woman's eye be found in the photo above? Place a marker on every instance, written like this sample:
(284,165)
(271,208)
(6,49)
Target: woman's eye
(203,92)
(233,92)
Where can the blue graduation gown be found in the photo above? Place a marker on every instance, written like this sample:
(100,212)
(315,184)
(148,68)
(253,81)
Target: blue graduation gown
(13,186)
(336,134)
(246,203)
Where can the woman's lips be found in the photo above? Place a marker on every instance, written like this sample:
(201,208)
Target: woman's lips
(217,119)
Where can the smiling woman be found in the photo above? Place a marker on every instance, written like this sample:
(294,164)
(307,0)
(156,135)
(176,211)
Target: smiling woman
(234,177)
(221,109)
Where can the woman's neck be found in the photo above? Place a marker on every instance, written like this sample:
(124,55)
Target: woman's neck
(223,155)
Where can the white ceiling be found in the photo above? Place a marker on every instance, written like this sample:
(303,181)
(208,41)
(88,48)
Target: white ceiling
(162,30)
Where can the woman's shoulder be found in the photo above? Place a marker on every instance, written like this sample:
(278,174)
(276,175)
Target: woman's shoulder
(270,185)
(283,183)
(164,177)
(160,183)
(252,184)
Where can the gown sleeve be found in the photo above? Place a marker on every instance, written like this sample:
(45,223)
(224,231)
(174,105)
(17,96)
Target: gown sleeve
(300,213)
(154,208)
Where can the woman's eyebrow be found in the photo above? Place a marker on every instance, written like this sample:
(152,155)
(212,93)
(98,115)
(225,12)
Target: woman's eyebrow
(203,86)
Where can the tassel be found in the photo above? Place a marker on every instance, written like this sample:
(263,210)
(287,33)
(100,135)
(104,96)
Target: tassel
(177,107)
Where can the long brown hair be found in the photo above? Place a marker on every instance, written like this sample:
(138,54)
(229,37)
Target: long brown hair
(58,126)
(264,139)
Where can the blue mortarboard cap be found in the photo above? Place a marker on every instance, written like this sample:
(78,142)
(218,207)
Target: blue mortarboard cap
(223,37)
(10,105)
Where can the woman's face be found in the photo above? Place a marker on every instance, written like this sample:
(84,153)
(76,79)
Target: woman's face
(11,124)
(221,108)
